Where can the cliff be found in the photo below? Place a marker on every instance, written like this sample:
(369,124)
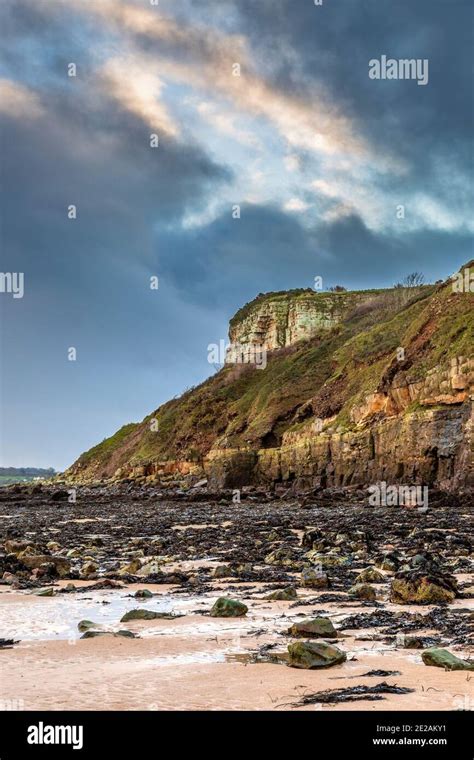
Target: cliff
(357,387)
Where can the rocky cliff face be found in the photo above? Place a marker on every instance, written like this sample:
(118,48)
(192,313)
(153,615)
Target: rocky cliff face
(359,387)
(282,319)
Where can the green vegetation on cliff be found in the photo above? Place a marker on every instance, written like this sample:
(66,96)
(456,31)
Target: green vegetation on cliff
(323,377)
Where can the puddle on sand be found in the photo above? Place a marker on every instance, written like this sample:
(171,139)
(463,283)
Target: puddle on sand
(57,617)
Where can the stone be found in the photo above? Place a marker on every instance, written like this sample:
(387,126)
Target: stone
(222,571)
(89,568)
(73,553)
(61,565)
(363,591)
(282,595)
(224,607)
(441,658)
(131,569)
(96,634)
(311,578)
(143,593)
(46,592)
(86,625)
(283,557)
(140,614)
(370,575)
(419,591)
(146,615)
(327,560)
(16,547)
(310,655)
(150,568)
(317,628)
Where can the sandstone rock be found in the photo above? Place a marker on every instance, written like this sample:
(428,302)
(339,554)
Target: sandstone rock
(283,557)
(95,634)
(224,607)
(143,593)
(46,592)
(329,560)
(419,591)
(73,553)
(89,568)
(363,591)
(150,568)
(222,571)
(61,565)
(282,595)
(131,569)
(310,655)
(86,625)
(370,575)
(148,615)
(316,628)
(311,578)
(441,658)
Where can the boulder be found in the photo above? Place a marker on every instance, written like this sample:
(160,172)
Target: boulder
(311,578)
(96,634)
(331,559)
(222,571)
(441,658)
(143,593)
(282,595)
(61,565)
(370,575)
(46,592)
(150,568)
(310,655)
(89,568)
(16,547)
(363,591)
(147,615)
(284,557)
(86,625)
(131,569)
(317,628)
(419,591)
(224,607)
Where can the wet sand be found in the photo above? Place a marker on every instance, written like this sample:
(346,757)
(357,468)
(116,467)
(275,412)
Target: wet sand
(196,662)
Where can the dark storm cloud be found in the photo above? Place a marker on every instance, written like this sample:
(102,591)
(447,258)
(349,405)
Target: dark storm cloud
(335,41)
(87,281)
(230,261)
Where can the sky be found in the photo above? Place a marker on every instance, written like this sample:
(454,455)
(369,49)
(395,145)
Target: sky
(179,112)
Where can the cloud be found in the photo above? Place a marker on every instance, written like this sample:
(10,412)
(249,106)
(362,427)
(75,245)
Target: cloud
(137,89)
(18,101)
(296,204)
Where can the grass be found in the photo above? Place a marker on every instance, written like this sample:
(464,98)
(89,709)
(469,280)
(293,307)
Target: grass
(332,372)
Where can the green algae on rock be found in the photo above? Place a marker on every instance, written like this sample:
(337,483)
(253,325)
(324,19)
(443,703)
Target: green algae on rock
(316,628)
(441,658)
(224,607)
(310,655)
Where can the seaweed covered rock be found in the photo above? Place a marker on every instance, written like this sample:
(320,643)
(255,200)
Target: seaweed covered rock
(311,654)
(441,658)
(316,628)
(370,575)
(423,581)
(282,595)
(363,591)
(224,607)
(312,578)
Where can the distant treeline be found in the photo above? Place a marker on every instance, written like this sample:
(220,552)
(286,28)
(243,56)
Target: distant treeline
(25,472)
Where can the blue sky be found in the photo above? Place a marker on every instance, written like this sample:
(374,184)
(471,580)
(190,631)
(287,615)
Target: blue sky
(317,155)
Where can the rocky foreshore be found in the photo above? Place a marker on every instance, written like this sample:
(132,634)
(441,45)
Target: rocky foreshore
(320,582)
